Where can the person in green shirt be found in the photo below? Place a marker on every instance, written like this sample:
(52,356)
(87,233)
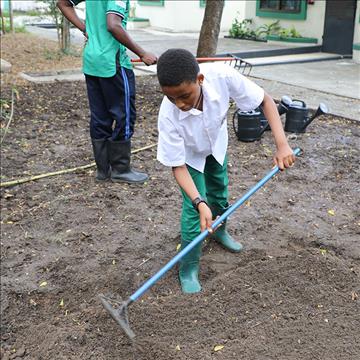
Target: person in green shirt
(110,83)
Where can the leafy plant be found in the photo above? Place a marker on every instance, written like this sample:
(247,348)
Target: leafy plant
(241,29)
(289,33)
(268,29)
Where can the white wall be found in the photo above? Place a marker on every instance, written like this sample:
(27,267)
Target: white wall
(312,27)
(357,24)
(25,5)
(187,16)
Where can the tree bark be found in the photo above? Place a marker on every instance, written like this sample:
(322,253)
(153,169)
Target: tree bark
(210,28)
(65,36)
(11,16)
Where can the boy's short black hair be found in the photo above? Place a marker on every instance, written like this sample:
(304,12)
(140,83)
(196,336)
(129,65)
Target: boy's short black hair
(176,66)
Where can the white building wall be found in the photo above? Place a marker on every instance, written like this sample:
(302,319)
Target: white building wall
(312,27)
(25,5)
(357,24)
(186,16)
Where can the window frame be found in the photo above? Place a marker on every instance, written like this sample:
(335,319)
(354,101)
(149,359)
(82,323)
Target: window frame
(283,14)
(159,3)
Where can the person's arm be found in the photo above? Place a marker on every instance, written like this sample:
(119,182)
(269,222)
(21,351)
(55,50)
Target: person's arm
(120,34)
(284,156)
(66,7)
(185,181)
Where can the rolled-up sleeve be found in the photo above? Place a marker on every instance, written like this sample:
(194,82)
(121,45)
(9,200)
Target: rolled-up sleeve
(171,148)
(247,95)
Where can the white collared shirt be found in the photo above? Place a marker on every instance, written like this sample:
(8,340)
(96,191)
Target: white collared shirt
(189,137)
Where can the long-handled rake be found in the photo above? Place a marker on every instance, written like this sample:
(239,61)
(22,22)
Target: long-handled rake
(119,314)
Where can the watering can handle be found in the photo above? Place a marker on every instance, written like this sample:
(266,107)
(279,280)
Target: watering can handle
(150,282)
(233,120)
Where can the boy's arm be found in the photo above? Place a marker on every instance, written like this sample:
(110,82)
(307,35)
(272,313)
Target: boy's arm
(66,7)
(284,156)
(120,34)
(185,181)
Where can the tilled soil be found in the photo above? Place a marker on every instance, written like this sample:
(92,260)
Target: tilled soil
(292,293)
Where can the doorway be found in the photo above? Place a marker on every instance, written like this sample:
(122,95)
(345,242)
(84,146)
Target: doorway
(339,26)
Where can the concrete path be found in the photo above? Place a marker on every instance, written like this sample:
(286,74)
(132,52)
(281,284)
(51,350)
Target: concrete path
(335,82)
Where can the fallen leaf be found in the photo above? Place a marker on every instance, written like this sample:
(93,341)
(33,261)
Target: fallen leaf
(331,212)
(354,296)
(218,347)
(61,303)
(43,284)
(177,347)
(114,262)
(323,251)
(178,246)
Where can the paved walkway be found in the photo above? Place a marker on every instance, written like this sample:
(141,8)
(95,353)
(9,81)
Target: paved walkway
(335,82)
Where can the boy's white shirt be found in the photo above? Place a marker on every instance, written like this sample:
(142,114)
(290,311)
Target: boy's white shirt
(189,137)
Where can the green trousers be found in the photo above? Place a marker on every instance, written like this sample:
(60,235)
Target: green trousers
(213,186)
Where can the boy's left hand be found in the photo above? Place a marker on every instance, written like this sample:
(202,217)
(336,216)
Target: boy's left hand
(284,157)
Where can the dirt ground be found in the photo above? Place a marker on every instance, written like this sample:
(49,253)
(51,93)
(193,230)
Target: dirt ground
(292,294)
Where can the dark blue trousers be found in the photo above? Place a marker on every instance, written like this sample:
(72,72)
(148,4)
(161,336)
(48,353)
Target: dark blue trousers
(112,105)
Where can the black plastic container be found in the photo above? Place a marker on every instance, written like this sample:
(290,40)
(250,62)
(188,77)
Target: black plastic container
(297,116)
(249,125)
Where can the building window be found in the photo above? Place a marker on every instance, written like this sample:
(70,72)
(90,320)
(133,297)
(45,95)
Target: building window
(151,2)
(282,9)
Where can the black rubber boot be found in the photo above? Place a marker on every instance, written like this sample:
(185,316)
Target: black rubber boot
(101,159)
(221,235)
(119,155)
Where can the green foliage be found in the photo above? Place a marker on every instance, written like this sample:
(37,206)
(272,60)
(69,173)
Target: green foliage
(17,28)
(289,33)
(241,29)
(268,29)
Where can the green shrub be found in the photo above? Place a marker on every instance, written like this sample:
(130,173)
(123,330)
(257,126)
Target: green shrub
(241,29)
(268,29)
(289,33)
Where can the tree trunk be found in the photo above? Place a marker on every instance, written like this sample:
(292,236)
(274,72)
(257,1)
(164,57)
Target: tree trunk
(65,36)
(210,28)
(11,16)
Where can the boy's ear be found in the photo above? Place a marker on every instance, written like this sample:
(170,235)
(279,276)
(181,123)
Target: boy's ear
(200,78)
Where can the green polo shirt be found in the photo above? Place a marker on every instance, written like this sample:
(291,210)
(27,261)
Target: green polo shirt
(102,50)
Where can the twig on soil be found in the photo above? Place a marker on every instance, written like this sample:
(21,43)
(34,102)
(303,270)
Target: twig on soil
(61,172)
(11,115)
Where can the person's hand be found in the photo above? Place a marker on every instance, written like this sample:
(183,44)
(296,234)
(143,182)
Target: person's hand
(284,157)
(149,58)
(205,217)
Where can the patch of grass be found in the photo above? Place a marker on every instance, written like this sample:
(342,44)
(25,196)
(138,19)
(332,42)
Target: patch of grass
(17,28)
(58,54)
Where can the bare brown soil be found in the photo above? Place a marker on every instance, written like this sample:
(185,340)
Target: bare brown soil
(292,294)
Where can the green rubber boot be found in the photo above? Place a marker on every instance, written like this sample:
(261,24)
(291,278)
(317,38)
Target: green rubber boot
(189,269)
(221,235)
(225,239)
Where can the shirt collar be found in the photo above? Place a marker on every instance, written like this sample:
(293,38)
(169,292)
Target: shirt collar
(210,94)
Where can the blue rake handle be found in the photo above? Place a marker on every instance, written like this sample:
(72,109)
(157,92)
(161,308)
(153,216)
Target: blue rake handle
(149,283)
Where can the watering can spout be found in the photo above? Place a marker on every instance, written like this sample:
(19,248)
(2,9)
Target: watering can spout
(322,109)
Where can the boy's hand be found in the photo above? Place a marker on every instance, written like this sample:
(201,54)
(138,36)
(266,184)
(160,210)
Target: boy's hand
(149,58)
(205,217)
(284,157)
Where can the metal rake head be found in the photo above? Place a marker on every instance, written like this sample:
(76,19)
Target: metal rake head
(241,65)
(119,313)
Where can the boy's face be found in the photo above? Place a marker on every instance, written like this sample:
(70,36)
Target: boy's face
(186,95)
